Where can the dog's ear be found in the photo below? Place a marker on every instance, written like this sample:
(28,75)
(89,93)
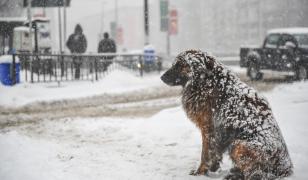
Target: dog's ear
(209,62)
(199,61)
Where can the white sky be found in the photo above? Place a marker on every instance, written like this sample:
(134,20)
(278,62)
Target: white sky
(84,8)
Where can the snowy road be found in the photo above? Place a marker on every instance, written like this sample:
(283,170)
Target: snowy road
(129,104)
(138,134)
(164,146)
(141,98)
(136,103)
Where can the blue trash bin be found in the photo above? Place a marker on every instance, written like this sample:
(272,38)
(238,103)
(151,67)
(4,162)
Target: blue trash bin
(6,70)
(149,54)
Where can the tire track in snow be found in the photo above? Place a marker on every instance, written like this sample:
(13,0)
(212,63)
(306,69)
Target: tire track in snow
(133,104)
(139,103)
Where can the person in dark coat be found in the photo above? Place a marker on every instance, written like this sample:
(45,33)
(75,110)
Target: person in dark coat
(107,45)
(77,44)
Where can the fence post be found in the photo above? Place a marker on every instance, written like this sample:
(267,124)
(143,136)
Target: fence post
(38,67)
(66,69)
(62,64)
(159,64)
(56,68)
(31,68)
(44,70)
(13,75)
(95,66)
(141,66)
(26,67)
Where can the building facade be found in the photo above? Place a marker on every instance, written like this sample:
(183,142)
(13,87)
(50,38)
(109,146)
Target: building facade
(221,27)
(229,24)
(11,15)
(217,26)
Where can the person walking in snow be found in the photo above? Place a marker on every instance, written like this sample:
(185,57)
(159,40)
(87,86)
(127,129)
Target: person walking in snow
(77,44)
(107,45)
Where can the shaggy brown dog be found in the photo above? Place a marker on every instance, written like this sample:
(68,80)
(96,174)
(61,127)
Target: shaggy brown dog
(232,118)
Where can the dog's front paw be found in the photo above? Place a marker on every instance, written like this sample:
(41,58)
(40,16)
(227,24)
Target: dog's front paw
(202,170)
(197,172)
(234,174)
(215,167)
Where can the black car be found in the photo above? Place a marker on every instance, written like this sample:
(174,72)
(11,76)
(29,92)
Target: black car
(284,50)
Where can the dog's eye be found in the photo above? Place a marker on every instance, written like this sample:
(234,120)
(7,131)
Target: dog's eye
(182,67)
(185,70)
(178,66)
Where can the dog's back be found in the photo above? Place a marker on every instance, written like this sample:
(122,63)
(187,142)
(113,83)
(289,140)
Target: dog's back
(245,118)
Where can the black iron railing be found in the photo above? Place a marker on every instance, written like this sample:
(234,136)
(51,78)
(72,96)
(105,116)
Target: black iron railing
(70,67)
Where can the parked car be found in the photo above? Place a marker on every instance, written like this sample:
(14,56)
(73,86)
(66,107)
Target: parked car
(284,50)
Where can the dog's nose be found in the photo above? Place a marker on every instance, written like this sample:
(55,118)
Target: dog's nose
(163,78)
(167,78)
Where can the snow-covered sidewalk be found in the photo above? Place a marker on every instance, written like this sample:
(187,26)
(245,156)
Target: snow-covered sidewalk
(164,146)
(116,82)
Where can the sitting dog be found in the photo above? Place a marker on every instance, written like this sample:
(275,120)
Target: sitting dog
(232,118)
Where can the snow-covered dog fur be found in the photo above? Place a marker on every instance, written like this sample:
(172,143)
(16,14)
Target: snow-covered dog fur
(232,118)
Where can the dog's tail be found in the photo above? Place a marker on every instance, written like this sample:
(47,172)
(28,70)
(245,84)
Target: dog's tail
(285,167)
(285,173)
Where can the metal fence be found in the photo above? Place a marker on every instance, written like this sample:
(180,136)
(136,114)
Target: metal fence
(71,67)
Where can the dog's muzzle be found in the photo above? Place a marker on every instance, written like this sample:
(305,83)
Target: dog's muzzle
(171,78)
(166,78)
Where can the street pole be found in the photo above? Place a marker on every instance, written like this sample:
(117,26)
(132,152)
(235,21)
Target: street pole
(44,11)
(60,29)
(146,21)
(30,36)
(102,22)
(30,24)
(260,21)
(64,23)
(168,41)
(102,19)
(116,21)
(168,30)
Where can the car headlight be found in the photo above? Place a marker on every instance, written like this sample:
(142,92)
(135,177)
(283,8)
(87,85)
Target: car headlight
(139,65)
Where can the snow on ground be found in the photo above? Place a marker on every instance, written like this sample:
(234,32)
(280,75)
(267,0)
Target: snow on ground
(101,149)
(117,81)
(164,146)
(290,103)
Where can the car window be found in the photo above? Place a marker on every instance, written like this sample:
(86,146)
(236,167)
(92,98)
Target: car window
(286,38)
(302,40)
(272,41)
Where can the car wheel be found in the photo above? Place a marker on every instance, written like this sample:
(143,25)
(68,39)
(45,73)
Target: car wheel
(253,72)
(301,73)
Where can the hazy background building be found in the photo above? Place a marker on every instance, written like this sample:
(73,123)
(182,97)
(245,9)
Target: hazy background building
(221,27)
(226,25)
(218,26)
(11,8)
(13,11)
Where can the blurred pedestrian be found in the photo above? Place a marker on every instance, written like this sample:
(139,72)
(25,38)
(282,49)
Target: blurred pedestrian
(107,45)
(77,44)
